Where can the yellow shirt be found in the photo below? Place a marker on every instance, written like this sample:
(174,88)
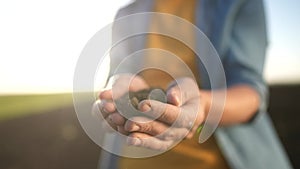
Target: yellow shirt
(186,11)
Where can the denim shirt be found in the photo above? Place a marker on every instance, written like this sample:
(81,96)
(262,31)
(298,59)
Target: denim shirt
(237,30)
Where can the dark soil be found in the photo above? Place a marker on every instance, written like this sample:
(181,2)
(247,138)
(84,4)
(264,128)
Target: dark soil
(284,109)
(55,139)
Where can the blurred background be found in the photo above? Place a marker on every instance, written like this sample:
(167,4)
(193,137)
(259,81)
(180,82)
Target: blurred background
(40,42)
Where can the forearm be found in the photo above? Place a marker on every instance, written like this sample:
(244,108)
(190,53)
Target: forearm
(241,104)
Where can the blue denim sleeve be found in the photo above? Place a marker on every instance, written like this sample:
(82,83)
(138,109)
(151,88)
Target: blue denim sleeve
(244,59)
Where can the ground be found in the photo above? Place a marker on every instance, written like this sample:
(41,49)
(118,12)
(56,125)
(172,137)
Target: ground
(40,138)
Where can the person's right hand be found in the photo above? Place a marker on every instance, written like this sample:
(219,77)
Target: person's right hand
(175,120)
(118,85)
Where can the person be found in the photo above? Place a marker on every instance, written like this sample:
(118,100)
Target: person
(245,138)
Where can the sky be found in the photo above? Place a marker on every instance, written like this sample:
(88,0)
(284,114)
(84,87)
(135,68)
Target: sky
(283,57)
(40,41)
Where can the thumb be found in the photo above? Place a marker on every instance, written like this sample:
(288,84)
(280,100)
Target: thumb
(181,91)
(173,97)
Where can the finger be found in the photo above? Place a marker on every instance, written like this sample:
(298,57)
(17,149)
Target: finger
(105,107)
(106,124)
(105,94)
(181,91)
(112,94)
(108,112)
(117,119)
(145,125)
(109,106)
(170,114)
(174,134)
(98,109)
(147,141)
(163,112)
(155,128)
(121,84)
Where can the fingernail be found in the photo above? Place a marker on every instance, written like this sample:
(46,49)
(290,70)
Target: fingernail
(176,98)
(145,107)
(173,98)
(131,127)
(135,128)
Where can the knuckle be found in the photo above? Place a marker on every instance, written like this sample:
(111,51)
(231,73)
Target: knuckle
(109,107)
(167,117)
(146,127)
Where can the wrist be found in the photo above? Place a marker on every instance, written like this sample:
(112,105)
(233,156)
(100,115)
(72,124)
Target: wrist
(204,107)
(205,102)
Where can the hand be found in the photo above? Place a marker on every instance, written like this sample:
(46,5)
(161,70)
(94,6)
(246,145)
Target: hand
(177,119)
(118,85)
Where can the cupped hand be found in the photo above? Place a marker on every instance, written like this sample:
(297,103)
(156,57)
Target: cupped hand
(175,120)
(118,85)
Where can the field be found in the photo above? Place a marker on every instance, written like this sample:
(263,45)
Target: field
(42,131)
(21,105)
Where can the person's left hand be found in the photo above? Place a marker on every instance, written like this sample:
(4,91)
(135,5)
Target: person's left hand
(175,120)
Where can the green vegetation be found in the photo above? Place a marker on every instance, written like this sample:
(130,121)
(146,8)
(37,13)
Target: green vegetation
(21,105)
